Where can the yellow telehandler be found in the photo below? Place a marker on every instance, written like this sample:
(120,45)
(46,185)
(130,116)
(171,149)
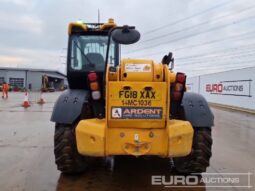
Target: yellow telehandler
(130,107)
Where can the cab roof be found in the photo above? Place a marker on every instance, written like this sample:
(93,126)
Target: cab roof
(80,26)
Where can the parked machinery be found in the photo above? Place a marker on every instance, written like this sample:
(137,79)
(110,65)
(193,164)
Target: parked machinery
(130,107)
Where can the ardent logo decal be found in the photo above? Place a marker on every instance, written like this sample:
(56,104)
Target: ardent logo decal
(137,112)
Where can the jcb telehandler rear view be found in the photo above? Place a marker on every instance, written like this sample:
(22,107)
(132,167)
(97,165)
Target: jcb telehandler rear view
(130,107)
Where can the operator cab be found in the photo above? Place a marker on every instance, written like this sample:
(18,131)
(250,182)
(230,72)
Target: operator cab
(87,52)
(94,46)
(87,49)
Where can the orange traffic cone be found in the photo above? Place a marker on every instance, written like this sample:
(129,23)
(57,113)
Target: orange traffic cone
(41,100)
(26,102)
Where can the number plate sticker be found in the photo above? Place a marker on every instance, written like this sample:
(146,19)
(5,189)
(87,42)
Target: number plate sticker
(133,94)
(137,112)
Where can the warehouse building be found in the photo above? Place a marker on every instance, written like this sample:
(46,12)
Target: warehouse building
(26,78)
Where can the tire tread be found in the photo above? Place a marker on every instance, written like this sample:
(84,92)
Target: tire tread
(199,158)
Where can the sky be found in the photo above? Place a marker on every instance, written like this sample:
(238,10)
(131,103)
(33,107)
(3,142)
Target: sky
(205,36)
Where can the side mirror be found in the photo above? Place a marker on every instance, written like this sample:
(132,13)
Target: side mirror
(121,35)
(125,35)
(167,59)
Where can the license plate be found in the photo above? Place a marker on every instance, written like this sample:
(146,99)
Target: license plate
(137,95)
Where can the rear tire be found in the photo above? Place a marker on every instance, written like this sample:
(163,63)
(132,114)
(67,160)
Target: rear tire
(199,158)
(67,158)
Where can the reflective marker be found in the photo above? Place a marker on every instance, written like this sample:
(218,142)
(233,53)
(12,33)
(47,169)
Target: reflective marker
(96,95)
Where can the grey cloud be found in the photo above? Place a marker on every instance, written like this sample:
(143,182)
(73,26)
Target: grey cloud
(40,27)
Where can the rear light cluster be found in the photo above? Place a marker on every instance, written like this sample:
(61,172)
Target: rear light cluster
(94,86)
(178,87)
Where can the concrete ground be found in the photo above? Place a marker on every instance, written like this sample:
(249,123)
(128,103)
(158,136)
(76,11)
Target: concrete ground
(27,159)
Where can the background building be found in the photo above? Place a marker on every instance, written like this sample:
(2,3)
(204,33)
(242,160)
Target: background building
(31,78)
(233,88)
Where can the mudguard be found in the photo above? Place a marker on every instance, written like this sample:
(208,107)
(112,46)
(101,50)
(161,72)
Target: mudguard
(196,110)
(69,105)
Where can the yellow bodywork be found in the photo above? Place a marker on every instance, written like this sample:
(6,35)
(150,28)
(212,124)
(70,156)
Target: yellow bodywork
(137,115)
(94,138)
